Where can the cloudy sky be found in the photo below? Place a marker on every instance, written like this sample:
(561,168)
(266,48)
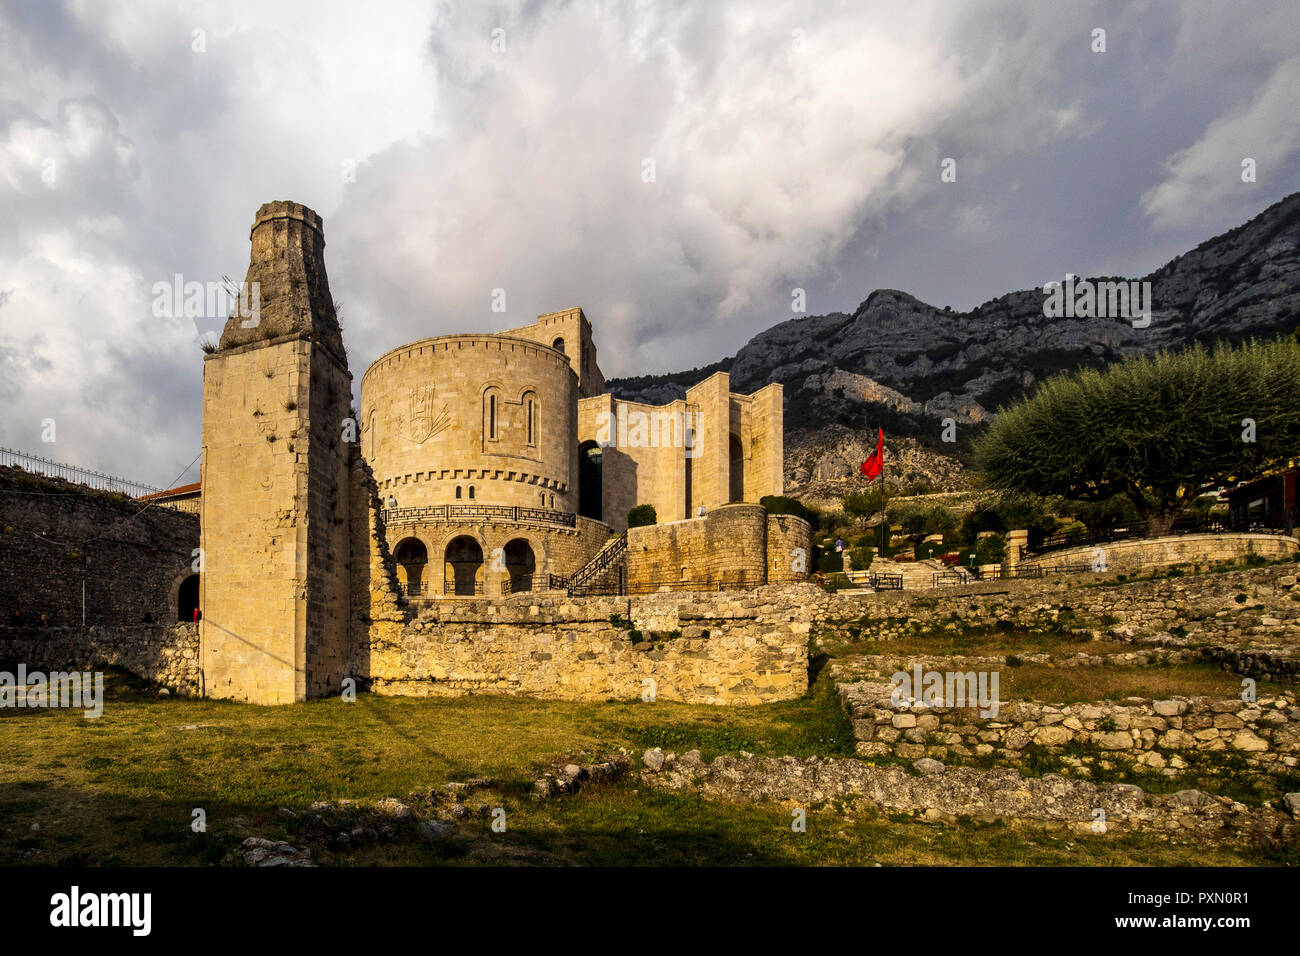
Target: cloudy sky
(457,148)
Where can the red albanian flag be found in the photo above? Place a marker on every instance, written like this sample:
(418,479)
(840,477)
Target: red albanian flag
(873,465)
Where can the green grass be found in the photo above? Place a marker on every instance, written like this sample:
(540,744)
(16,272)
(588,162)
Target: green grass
(121,789)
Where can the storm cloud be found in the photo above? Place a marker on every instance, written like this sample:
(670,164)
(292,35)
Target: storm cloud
(677,169)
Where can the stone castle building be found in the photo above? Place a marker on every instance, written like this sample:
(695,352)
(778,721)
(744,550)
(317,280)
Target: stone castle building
(482,465)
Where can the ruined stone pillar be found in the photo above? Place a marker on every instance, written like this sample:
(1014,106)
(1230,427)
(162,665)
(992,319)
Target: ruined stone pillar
(275,530)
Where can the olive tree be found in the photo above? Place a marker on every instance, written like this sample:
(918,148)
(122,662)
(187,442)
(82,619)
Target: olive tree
(1161,429)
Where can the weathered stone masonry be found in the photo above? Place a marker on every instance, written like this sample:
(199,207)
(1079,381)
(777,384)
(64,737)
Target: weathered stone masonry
(711,647)
(134,561)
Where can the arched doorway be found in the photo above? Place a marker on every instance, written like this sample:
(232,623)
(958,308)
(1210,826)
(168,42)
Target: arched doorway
(412,559)
(187,599)
(737,470)
(520,565)
(591,481)
(463,566)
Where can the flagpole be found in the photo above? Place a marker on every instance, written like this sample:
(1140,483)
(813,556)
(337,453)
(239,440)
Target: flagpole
(883,531)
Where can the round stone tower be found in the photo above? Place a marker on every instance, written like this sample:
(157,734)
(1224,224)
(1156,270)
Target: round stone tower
(472,419)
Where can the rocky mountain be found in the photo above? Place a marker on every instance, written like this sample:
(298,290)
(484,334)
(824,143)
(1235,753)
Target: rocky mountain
(904,364)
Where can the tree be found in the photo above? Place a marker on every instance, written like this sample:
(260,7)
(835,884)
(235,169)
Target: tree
(1161,429)
(862,504)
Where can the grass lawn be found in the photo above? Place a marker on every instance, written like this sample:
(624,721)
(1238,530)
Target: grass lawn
(120,789)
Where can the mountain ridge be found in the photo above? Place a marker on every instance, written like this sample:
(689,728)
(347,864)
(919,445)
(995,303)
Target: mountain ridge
(900,362)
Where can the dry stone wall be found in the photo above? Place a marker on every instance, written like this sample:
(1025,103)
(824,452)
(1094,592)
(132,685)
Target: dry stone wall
(936,793)
(1266,732)
(1255,604)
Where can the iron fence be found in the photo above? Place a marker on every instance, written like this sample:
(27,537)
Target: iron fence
(462,588)
(517,584)
(1083,537)
(942,579)
(442,514)
(81,476)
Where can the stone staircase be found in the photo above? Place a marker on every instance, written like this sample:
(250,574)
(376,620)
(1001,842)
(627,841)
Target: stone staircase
(599,573)
(917,575)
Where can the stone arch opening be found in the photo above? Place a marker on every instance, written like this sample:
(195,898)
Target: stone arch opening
(737,470)
(412,558)
(187,599)
(558,345)
(463,566)
(591,481)
(521,564)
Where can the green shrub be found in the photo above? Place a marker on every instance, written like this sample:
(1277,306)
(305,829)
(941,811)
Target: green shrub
(781,505)
(861,557)
(830,562)
(642,515)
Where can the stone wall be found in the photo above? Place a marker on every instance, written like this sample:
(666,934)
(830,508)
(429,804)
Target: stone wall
(427,428)
(1192,549)
(1267,732)
(789,549)
(940,794)
(733,544)
(1222,607)
(134,561)
(710,647)
(165,653)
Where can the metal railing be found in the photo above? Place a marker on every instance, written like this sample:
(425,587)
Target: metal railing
(1083,537)
(80,476)
(616,588)
(464,588)
(517,584)
(454,513)
(885,582)
(944,579)
(604,559)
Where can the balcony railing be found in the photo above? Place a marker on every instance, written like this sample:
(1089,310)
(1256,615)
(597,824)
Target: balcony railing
(448,514)
(517,584)
(463,588)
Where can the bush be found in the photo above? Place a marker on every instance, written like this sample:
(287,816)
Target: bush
(642,515)
(924,519)
(928,549)
(991,550)
(830,562)
(861,557)
(781,505)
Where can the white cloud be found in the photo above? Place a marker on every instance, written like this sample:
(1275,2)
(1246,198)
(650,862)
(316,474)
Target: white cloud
(477,170)
(1205,179)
